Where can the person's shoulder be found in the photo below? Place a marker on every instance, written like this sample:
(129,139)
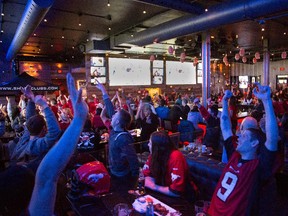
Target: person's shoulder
(176,154)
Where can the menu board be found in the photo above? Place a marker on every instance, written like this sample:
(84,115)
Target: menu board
(129,72)
(178,73)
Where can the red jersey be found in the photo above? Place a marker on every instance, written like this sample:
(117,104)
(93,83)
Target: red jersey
(231,195)
(176,174)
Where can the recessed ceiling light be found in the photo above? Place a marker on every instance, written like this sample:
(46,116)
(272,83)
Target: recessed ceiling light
(144,12)
(263,29)
(0,41)
(34,34)
(87,40)
(285,33)
(212,36)
(63,37)
(109,29)
(80,24)
(45,20)
(73,47)
(2,14)
(236,36)
(206,9)
(2,31)
(132,35)
(52,45)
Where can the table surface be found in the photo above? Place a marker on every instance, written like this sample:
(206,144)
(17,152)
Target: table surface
(103,206)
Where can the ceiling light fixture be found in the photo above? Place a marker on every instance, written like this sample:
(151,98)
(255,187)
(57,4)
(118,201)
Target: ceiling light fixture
(2,14)
(45,20)
(144,12)
(109,29)
(206,9)
(108,4)
(263,29)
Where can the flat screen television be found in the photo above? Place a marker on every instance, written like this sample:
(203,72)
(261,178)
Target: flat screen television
(243,82)
(97,61)
(100,79)
(97,71)
(129,72)
(178,73)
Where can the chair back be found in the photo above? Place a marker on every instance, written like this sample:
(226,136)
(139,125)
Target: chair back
(175,138)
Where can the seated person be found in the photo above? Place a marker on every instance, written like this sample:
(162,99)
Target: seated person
(146,120)
(212,136)
(123,159)
(162,110)
(195,117)
(240,189)
(166,170)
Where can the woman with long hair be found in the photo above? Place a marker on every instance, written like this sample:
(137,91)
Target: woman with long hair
(166,170)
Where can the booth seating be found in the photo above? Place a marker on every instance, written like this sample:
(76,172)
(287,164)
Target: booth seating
(205,173)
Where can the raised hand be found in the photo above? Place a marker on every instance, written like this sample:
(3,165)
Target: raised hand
(227,95)
(262,92)
(101,87)
(79,106)
(40,100)
(27,91)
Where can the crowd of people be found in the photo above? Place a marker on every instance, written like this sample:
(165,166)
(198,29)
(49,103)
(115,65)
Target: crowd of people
(47,132)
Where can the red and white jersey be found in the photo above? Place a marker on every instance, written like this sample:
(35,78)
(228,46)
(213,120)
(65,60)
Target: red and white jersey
(231,196)
(177,171)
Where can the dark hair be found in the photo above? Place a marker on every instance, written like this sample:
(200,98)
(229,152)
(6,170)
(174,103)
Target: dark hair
(98,111)
(162,102)
(53,101)
(16,186)
(195,109)
(35,124)
(257,115)
(15,112)
(88,124)
(214,110)
(124,118)
(162,146)
(284,121)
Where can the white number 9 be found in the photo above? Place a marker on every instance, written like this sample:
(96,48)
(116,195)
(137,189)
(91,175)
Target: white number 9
(228,184)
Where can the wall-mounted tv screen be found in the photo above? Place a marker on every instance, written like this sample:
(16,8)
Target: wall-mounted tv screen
(158,72)
(158,64)
(157,80)
(100,79)
(97,71)
(123,72)
(243,81)
(178,73)
(97,61)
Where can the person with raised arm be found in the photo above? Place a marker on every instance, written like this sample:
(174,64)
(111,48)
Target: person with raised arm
(250,166)
(40,133)
(123,161)
(44,192)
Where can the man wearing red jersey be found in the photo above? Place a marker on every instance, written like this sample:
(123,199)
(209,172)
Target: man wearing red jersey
(250,166)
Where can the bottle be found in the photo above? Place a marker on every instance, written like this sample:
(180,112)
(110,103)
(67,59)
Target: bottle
(150,207)
(141,182)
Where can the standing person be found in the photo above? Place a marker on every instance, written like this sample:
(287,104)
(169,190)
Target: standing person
(44,192)
(249,166)
(123,159)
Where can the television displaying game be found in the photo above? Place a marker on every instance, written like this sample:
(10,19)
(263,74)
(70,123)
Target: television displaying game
(178,73)
(243,82)
(97,61)
(129,72)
